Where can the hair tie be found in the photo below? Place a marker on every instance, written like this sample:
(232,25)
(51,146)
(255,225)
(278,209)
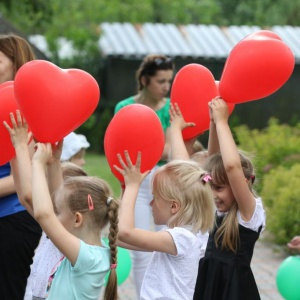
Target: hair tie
(252,177)
(113,266)
(206,178)
(108,201)
(90,202)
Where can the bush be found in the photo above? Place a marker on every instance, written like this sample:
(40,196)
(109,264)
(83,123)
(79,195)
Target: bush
(281,196)
(278,144)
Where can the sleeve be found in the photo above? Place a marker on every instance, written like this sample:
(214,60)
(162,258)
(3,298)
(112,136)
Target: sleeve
(184,240)
(87,258)
(258,219)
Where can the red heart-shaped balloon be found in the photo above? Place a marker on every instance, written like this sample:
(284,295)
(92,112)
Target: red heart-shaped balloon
(8,104)
(54,101)
(256,67)
(193,87)
(135,127)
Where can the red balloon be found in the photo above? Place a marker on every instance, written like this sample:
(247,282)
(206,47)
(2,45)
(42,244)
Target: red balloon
(54,101)
(256,67)
(193,87)
(230,105)
(135,127)
(8,104)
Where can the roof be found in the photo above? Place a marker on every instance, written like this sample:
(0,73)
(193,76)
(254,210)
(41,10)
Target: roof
(128,40)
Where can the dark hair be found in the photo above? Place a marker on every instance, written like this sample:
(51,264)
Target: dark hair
(151,64)
(17,49)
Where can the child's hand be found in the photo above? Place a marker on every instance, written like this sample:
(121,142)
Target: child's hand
(294,243)
(19,132)
(177,119)
(56,152)
(132,173)
(43,153)
(218,110)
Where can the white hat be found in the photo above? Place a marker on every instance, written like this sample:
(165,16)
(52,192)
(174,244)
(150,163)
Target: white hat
(73,143)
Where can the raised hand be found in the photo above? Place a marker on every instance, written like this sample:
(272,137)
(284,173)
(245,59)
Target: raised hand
(132,173)
(177,119)
(19,132)
(218,110)
(43,153)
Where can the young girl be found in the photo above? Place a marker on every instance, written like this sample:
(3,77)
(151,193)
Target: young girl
(101,209)
(224,272)
(83,206)
(153,77)
(183,201)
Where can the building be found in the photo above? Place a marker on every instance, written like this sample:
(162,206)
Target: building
(123,45)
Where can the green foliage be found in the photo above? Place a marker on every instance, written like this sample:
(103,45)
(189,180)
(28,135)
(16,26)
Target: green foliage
(276,152)
(94,129)
(278,144)
(281,192)
(96,165)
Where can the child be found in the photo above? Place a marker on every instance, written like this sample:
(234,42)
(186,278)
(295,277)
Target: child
(94,208)
(224,272)
(47,255)
(180,149)
(74,148)
(183,201)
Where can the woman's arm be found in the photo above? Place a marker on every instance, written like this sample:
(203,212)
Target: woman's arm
(142,239)
(231,159)
(7,186)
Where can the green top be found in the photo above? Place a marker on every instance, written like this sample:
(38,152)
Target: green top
(163,114)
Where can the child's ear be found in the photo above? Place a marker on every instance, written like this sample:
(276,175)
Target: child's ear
(175,207)
(78,219)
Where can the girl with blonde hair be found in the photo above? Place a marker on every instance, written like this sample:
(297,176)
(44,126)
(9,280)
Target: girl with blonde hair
(183,202)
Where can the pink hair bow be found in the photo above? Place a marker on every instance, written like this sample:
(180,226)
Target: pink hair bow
(206,178)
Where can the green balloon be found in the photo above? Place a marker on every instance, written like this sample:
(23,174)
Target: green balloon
(123,264)
(288,278)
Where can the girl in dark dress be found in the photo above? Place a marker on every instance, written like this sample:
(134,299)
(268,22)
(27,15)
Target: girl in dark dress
(224,272)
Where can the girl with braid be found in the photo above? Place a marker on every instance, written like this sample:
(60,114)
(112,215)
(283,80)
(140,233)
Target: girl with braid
(69,260)
(82,207)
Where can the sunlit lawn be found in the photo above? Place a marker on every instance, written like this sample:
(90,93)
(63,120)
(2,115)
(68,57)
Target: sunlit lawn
(96,165)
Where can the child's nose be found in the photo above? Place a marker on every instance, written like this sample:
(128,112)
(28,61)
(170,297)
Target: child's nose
(151,203)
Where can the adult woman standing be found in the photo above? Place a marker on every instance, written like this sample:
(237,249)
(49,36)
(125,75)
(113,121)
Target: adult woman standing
(154,78)
(19,232)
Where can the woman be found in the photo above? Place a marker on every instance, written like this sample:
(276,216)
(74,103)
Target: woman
(19,232)
(154,78)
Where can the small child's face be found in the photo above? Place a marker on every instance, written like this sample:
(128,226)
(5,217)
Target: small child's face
(78,158)
(63,213)
(161,210)
(223,196)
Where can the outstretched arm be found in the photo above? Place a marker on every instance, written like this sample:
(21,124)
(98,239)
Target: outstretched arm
(142,239)
(43,209)
(231,159)
(178,147)
(213,141)
(54,171)
(21,164)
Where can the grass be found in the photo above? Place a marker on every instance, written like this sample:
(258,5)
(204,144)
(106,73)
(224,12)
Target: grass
(96,165)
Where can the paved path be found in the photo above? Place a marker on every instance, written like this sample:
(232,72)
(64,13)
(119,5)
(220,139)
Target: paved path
(265,262)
